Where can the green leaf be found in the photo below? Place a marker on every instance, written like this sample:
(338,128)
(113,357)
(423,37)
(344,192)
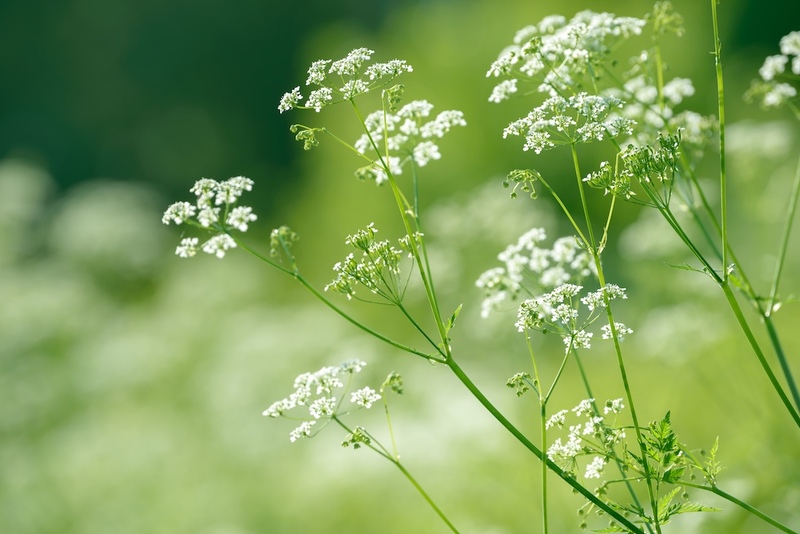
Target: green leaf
(713,466)
(452,321)
(673,474)
(664,502)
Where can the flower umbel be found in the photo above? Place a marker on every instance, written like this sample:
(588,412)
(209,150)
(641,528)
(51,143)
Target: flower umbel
(215,211)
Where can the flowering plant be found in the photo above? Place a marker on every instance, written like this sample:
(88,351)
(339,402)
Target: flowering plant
(652,148)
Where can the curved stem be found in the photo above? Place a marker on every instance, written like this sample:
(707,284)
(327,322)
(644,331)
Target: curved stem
(424,495)
(784,245)
(737,311)
(297,276)
(730,498)
(514,431)
(383,452)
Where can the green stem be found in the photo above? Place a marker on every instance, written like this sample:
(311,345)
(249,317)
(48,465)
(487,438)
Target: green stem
(618,351)
(787,230)
(297,276)
(584,204)
(566,212)
(383,452)
(424,495)
(543,425)
(737,311)
(730,498)
(787,371)
(723,182)
(478,394)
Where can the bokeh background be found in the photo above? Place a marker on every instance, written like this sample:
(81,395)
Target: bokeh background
(132,383)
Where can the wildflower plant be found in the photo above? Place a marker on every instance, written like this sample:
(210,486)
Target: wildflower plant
(581,93)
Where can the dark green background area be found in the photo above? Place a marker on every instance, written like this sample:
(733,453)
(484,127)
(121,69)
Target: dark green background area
(168,91)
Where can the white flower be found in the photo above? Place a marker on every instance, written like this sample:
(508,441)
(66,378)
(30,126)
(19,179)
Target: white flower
(556,419)
(218,245)
(178,212)
(503,90)
(583,407)
(595,468)
(677,89)
(208,216)
(349,65)
(365,397)
(290,100)
(187,248)
(240,216)
(392,68)
(278,408)
(773,65)
(566,451)
(790,44)
(426,151)
(614,406)
(621,329)
(302,431)
(590,428)
(778,95)
(354,88)
(352,366)
(316,72)
(322,407)
(578,340)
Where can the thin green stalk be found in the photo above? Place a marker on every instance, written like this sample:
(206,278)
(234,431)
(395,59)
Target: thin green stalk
(395,454)
(543,426)
(784,363)
(748,290)
(618,462)
(385,453)
(787,230)
(584,204)
(620,361)
(734,304)
(566,212)
(297,276)
(402,205)
(424,495)
(730,498)
(478,394)
(723,182)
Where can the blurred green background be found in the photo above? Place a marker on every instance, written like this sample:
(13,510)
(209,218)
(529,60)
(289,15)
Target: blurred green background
(132,383)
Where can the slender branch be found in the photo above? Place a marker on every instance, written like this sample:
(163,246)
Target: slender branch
(514,431)
(297,276)
(737,311)
(730,498)
(787,230)
(723,182)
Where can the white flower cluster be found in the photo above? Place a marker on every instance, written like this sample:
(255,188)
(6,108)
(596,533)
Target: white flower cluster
(317,392)
(769,91)
(561,55)
(376,269)
(407,135)
(561,52)
(580,118)
(346,82)
(526,259)
(592,437)
(559,311)
(215,210)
